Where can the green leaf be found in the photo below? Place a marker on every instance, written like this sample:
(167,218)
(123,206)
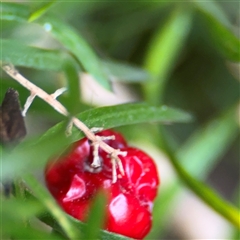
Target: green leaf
(229,212)
(198,155)
(125,114)
(201,151)
(96,217)
(213,9)
(236,235)
(67,36)
(124,72)
(46,199)
(224,208)
(163,51)
(54,140)
(14,12)
(17,215)
(132,113)
(76,44)
(71,71)
(104,235)
(22,208)
(20,54)
(41,10)
(220,30)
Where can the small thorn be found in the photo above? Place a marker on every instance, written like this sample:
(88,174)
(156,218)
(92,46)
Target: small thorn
(124,154)
(114,171)
(68,130)
(119,162)
(107,138)
(96,162)
(96,129)
(28,103)
(96,159)
(58,92)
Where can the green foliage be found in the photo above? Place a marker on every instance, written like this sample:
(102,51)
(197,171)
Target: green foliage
(200,152)
(198,155)
(164,49)
(219,27)
(54,140)
(206,194)
(96,218)
(20,54)
(43,8)
(166,54)
(71,72)
(76,44)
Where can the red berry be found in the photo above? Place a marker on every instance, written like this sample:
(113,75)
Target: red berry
(73,183)
(140,173)
(127,215)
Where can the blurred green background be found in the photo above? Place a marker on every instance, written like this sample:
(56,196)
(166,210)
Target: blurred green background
(180,54)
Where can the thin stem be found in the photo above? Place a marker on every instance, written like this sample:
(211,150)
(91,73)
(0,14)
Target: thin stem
(51,100)
(35,90)
(28,103)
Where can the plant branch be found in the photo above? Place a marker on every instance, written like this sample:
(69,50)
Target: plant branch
(97,141)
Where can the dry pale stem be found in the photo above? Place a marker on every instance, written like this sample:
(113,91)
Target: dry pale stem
(97,141)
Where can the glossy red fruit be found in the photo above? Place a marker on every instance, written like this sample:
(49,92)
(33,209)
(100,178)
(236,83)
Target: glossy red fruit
(74,183)
(126,214)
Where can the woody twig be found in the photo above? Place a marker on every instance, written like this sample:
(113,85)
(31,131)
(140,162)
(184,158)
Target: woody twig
(96,141)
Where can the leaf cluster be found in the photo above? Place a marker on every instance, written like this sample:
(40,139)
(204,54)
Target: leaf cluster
(168,54)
